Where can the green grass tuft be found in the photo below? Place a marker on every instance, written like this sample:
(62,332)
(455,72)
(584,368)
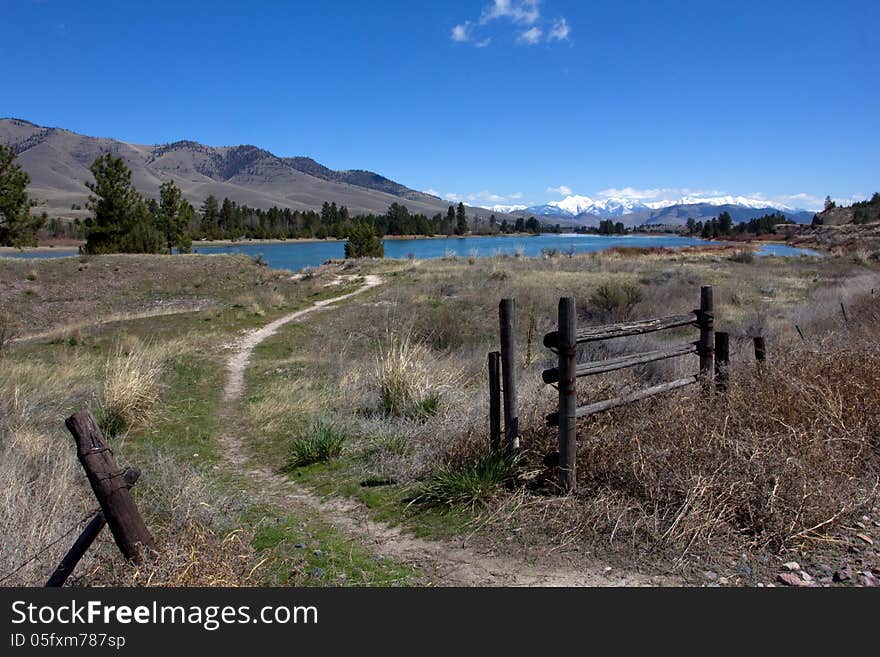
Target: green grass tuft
(468,484)
(324,442)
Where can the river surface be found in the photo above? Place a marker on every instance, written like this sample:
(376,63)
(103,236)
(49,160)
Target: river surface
(299,255)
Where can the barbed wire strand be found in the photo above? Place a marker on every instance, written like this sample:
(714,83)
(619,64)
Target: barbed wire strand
(47,547)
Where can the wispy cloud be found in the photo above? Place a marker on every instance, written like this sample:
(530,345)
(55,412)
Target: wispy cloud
(559,31)
(655,193)
(524,12)
(482,196)
(460,32)
(562,190)
(532,36)
(530,27)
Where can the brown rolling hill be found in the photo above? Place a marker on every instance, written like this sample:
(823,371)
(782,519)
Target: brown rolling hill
(58,162)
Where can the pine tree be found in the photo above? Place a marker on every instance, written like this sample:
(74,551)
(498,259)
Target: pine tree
(174,215)
(461,224)
(363,242)
(210,225)
(121,221)
(17,226)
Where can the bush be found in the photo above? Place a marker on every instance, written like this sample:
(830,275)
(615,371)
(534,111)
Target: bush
(616,301)
(363,242)
(324,442)
(744,257)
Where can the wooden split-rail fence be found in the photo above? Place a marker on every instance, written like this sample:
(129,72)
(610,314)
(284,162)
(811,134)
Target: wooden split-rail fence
(711,347)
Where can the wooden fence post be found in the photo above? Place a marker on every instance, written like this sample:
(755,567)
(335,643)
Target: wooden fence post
(760,349)
(567,347)
(85,539)
(705,347)
(722,360)
(507,320)
(495,400)
(109,486)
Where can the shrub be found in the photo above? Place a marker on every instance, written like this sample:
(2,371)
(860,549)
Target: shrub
(616,300)
(363,242)
(744,257)
(324,442)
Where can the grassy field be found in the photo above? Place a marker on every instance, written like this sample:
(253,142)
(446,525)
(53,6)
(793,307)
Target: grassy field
(383,400)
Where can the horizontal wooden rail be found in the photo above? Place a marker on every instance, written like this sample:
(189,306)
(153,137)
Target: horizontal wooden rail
(621,362)
(623,329)
(584,411)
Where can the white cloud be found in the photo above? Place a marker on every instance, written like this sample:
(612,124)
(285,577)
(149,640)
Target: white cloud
(531,36)
(531,28)
(560,30)
(562,190)
(656,193)
(461,32)
(432,192)
(524,12)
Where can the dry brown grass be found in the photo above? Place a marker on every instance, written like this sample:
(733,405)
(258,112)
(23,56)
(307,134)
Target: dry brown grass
(131,389)
(781,462)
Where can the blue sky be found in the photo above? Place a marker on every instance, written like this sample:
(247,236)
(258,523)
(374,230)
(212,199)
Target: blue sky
(486,100)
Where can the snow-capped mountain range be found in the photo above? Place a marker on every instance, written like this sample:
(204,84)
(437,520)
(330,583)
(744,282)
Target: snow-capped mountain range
(607,208)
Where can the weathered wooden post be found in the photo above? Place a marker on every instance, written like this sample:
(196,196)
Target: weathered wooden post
(86,538)
(705,346)
(108,484)
(722,360)
(760,349)
(566,344)
(495,400)
(843,310)
(507,320)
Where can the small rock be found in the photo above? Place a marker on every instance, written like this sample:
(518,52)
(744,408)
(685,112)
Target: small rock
(299,546)
(861,525)
(724,581)
(317,573)
(868,578)
(790,579)
(842,575)
(318,553)
(760,585)
(710,575)
(792,566)
(380,557)
(826,569)
(806,576)
(745,570)
(877,523)
(607,570)
(825,580)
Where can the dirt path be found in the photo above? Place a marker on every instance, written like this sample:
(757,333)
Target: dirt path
(446,563)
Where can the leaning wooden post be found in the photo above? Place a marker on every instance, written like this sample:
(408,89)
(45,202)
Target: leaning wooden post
(109,486)
(86,538)
(495,400)
(722,360)
(507,319)
(566,344)
(705,347)
(760,349)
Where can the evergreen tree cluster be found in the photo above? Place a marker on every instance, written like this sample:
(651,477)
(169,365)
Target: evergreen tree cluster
(723,226)
(123,222)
